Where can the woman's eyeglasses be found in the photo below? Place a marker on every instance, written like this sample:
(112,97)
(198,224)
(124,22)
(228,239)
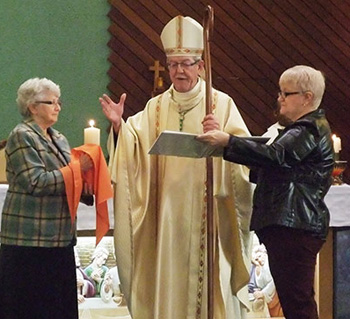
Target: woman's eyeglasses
(286,94)
(53,103)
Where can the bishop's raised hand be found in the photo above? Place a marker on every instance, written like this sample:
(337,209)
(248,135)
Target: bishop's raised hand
(113,111)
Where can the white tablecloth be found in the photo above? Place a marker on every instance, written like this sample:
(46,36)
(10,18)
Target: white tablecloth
(337,200)
(338,203)
(86,214)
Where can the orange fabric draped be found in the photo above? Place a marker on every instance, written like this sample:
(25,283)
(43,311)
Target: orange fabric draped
(98,177)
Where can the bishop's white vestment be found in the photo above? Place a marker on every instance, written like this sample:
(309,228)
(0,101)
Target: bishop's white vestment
(160,209)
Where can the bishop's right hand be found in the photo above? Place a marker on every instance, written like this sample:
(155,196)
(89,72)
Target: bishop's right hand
(113,111)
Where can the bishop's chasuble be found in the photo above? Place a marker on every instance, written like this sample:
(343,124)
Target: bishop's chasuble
(160,209)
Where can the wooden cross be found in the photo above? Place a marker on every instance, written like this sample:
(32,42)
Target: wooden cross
(158,80)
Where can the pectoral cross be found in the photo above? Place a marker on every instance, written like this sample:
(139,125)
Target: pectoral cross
(158,80)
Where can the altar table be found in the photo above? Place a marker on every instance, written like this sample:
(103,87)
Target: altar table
(86,215)
(334,261)
(338,203)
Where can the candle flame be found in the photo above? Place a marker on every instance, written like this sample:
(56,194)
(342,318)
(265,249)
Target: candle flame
(334,137)
(92,123)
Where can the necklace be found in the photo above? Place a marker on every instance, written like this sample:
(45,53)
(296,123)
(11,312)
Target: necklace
(181,119)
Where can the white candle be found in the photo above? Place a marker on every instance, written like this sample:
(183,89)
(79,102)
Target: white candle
(336,143)
(92,134)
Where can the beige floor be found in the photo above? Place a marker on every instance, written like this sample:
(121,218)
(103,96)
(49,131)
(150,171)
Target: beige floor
(95,308)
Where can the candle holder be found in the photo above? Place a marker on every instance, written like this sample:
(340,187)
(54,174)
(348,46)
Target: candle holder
(337,174)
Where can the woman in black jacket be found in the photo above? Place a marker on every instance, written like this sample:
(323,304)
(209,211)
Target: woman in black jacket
(293,177)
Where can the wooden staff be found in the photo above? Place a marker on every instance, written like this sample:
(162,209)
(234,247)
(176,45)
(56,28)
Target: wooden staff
(208,27)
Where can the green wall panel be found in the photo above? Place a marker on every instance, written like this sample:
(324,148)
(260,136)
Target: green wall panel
(65,41)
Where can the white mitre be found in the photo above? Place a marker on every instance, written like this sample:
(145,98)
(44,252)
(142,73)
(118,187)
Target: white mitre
(182,36)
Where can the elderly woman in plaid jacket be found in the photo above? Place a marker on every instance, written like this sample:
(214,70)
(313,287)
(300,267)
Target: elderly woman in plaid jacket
(37,265)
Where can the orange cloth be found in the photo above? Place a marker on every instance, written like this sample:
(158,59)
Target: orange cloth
(98,177)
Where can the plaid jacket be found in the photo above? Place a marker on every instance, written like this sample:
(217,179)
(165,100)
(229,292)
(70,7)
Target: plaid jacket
(35,211)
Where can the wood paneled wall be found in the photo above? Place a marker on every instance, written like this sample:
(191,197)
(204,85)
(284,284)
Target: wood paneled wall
(254,42)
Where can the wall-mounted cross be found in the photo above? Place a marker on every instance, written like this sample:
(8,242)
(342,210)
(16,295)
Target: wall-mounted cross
(158,80)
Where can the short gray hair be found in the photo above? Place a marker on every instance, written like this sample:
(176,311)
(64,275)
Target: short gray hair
(306,79)
(32,90)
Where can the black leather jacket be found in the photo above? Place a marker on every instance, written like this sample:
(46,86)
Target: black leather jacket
(293,175)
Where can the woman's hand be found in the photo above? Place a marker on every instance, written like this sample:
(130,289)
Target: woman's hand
(86,162)
(215,138)
(113,111)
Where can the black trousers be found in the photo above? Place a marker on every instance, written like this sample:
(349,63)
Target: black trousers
(37,283)
(292,258)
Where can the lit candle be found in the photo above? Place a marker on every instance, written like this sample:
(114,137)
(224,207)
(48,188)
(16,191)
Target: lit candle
(92,134)
(336,143)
